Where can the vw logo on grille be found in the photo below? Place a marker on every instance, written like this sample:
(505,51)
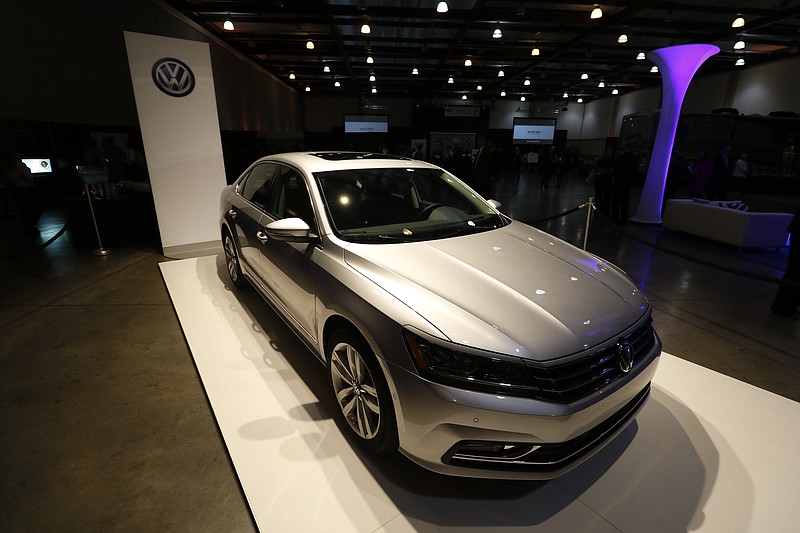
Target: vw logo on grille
(624,355)
(173,76)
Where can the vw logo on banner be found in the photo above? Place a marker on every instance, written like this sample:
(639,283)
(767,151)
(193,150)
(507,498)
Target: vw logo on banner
(173,76)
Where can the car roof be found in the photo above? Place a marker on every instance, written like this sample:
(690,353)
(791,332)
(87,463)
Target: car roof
(321,161)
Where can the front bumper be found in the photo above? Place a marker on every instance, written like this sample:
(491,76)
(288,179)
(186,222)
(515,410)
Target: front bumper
(476,434)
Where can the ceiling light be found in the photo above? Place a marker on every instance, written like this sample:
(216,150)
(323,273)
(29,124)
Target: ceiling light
(372,77)
(526,82)
(654,69)
(502,93)
(370,60)
(615,91)
(580,100)
(463,96)
(584,76)
(522,99)
(337,84)
(739,45)
(596,12)
(565,95)
(740,62)
(441,7)
(500,74)
(228,24)
(497,33)
(365,28)
(601,84)
(467,62)
(450,79)
(640,56)
(414,71)
(326,68)
(622,39)
(535,51)
(480,87)
(374,90)
(310,45)
(292,76)
(738,22)
(308,89)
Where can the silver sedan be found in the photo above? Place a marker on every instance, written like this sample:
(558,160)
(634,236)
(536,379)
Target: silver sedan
(474,344)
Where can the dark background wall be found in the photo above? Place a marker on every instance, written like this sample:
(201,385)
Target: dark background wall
(66,62)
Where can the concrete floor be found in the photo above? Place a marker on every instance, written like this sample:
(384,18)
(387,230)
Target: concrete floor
(104,424)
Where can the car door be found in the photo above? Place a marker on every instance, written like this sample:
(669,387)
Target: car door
(289,267)
(246,214)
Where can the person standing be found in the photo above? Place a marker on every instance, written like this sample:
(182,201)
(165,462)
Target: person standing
(701,176)
(548,166)
(787,299)
(740,167)
(460,165)
(18,180)
(602,176)
(720,174)
(485,167)
(625,168)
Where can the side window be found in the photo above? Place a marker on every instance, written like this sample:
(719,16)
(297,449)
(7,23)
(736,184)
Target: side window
(257,184)
(289,197)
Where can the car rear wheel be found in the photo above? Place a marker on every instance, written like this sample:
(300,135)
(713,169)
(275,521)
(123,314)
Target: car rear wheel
(361,393)
(232,261)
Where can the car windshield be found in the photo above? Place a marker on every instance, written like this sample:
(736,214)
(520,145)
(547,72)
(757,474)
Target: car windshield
(384,205)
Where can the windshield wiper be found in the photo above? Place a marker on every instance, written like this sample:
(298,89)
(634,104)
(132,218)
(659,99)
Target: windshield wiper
(466,230)
(377,238)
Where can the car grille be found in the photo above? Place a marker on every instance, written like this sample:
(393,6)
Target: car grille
(577,379)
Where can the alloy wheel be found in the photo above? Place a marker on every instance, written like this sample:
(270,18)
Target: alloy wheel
(355,391)
(232,262)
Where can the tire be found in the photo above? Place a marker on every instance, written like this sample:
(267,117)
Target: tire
(364,405)
(232,261)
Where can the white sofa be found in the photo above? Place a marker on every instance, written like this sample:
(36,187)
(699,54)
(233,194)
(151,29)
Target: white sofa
(744,229)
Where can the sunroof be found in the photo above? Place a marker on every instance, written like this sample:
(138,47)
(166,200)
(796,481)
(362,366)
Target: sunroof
(349,156)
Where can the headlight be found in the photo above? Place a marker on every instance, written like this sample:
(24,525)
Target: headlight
(499,374)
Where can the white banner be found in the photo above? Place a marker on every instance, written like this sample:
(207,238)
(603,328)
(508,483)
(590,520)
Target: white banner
(173,84)
(462,111)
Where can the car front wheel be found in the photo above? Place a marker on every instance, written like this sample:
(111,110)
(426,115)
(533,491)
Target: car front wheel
(361,393)
(232,261)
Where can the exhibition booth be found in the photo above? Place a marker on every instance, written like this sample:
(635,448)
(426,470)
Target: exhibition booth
(707,453)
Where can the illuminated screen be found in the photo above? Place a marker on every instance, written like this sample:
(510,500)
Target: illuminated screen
(366,123)
(38,166)
(534,130)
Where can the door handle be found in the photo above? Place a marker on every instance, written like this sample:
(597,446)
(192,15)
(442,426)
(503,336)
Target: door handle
(261,236)
(232,213)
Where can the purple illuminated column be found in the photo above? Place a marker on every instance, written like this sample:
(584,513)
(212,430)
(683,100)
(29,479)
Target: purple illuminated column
(677,65)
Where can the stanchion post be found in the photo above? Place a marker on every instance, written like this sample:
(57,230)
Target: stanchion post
(100,250)
(589,209)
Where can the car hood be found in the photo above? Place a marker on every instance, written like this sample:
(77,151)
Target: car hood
(513,290)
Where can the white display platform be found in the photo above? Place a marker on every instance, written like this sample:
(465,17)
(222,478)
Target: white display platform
(707,453)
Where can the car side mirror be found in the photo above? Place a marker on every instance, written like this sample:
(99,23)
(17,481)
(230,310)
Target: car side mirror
(495,204)
(291,229)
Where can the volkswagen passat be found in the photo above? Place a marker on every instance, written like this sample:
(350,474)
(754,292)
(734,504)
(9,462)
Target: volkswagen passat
(475,344)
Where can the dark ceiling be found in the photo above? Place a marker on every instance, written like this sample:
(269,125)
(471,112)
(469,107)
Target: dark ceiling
(412,34)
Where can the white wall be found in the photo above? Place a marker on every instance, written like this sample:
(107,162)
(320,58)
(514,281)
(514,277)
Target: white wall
(766,88)
(504,110)
(707,93)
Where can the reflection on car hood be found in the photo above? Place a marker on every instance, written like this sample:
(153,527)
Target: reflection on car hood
(513,290)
